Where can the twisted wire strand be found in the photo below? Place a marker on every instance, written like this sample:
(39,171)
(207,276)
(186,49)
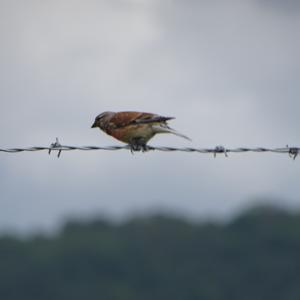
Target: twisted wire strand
(291,151)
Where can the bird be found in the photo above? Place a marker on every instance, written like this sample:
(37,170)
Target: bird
(134,128)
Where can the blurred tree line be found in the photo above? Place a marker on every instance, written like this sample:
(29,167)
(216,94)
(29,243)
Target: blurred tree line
(256,256)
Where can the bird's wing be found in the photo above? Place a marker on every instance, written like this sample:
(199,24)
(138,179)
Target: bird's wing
(126,118)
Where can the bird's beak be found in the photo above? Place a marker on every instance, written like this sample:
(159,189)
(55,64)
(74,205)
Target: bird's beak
(94,125)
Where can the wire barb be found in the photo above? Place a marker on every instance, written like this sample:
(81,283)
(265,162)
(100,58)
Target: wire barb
(293,152)
(220,149)
(54,146)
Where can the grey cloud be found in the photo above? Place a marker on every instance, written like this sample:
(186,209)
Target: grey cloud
(283,7)
(227,70)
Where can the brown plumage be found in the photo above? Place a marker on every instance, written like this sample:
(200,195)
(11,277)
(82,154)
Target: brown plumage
(134,128)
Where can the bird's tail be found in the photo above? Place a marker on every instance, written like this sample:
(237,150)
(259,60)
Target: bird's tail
(163,128)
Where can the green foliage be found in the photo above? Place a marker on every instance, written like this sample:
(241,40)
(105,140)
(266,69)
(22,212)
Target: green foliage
(257,256)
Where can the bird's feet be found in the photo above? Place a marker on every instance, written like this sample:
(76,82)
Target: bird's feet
(138,144)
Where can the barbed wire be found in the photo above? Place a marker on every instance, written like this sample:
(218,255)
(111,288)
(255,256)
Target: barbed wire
(293,152)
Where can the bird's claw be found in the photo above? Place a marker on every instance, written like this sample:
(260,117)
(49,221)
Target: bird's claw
(138,148)
(138,144)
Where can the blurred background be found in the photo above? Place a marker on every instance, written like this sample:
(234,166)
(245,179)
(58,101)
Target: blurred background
(227,70)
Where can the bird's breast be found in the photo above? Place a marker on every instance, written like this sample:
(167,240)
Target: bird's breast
(126,134)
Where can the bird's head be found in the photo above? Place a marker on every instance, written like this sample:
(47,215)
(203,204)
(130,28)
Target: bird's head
(102,119)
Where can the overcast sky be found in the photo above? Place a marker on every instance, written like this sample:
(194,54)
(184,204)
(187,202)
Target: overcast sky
(227,70)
